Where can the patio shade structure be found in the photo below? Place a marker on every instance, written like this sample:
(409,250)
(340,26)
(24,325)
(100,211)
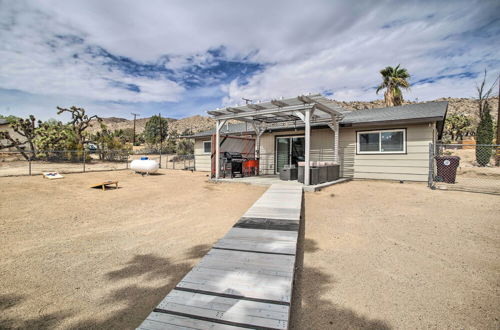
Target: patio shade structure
(279,113)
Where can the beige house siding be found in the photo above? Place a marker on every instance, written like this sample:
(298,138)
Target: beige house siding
(412,166)
(201,159)
(321,147)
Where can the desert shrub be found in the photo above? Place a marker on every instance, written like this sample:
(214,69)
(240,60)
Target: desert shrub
(185,147)
(484,136)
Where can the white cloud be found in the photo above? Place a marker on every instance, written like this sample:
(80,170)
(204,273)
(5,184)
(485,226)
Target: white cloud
(35,58)
(312,46)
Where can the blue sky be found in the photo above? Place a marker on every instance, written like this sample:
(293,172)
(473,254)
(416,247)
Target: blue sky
(182,58)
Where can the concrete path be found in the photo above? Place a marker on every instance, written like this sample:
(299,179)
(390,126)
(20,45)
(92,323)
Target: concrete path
(246,279)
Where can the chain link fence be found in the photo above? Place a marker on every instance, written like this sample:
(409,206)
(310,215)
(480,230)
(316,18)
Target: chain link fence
(468,167)
(14,163)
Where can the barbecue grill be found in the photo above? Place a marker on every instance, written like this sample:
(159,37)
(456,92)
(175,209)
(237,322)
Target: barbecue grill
(232,162)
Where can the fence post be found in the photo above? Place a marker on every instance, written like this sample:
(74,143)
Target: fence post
(431,165)
(166,164)
(126,160)
(84,158)
(29,162)
(173,163)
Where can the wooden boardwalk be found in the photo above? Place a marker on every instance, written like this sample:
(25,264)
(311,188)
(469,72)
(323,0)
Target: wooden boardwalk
(245,281)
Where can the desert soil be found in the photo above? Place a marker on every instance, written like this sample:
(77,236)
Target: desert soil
(16,167)
(380,255)
(77,258)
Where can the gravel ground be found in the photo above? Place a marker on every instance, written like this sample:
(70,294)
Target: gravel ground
(380,255)
(78,258)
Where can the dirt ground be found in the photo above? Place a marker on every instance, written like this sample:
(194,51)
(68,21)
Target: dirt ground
(75,257)
(380,255)
(16,166)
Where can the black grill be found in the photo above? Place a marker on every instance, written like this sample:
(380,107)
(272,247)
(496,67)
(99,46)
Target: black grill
(232,162)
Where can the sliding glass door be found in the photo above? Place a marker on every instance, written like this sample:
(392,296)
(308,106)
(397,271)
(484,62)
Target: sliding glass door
(289,150)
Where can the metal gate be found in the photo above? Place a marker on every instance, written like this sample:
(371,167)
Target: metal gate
(465,167)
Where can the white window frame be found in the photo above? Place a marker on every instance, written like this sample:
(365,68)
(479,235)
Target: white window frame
(380,131)
(204,142)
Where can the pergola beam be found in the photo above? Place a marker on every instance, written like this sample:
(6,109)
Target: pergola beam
(255,106)
(279,103)
(266,111)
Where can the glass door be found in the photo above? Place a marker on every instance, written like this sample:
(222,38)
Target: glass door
(282,152)
(289,150)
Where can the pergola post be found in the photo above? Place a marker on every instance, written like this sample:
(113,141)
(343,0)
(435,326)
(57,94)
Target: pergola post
(336,143)
(219,125)
(307,122)
(334,125)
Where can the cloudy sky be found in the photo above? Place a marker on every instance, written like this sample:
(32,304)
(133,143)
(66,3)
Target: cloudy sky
(185,57)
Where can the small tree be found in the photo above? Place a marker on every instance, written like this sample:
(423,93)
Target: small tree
(79,122)
(484,134)
(457,126)
(51,136)
(155,131)
(25,128)
(185,147)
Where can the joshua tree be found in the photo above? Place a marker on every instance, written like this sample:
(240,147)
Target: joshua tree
(393,80)
(79,122)
(27,129)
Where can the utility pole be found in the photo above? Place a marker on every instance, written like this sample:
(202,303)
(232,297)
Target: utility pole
(133,139)
(247,101)
(161,136)
(498,125)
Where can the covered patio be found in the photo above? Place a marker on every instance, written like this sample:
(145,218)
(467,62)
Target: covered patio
(310,109)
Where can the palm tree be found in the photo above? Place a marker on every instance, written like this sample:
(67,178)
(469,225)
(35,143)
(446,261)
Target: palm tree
(393,80)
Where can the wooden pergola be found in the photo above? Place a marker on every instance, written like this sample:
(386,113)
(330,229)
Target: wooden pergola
(278,113)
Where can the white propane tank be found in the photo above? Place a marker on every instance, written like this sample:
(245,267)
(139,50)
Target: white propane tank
(144,166)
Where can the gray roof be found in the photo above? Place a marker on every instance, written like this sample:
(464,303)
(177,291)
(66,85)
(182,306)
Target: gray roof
(3,121)
(418,112)
(411,112)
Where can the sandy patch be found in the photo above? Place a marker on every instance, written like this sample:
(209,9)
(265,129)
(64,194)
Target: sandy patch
(381,255)
(75,257)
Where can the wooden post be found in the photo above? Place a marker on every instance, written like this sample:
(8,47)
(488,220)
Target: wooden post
(161,137)
(497,149)
(307,122)
(336,145)
(84,156)
(217,148)
(29,163)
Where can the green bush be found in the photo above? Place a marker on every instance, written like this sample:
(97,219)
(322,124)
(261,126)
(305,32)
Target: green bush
(484,136)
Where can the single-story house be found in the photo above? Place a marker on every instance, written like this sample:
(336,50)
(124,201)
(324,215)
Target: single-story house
(385,143)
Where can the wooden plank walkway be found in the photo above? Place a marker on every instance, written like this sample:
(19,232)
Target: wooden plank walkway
(245,281)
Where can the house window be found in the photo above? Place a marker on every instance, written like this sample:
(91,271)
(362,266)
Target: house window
(386,141)
(207,147)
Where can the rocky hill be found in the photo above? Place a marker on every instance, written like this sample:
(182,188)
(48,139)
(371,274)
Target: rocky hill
(201,123)
(194,123)
(464,106)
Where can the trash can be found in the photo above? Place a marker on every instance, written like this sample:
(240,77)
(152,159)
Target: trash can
(447,168)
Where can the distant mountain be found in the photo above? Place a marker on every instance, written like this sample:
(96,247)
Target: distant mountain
(194,123)
(201,123)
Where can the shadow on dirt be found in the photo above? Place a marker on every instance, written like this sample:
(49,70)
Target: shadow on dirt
(138,299)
